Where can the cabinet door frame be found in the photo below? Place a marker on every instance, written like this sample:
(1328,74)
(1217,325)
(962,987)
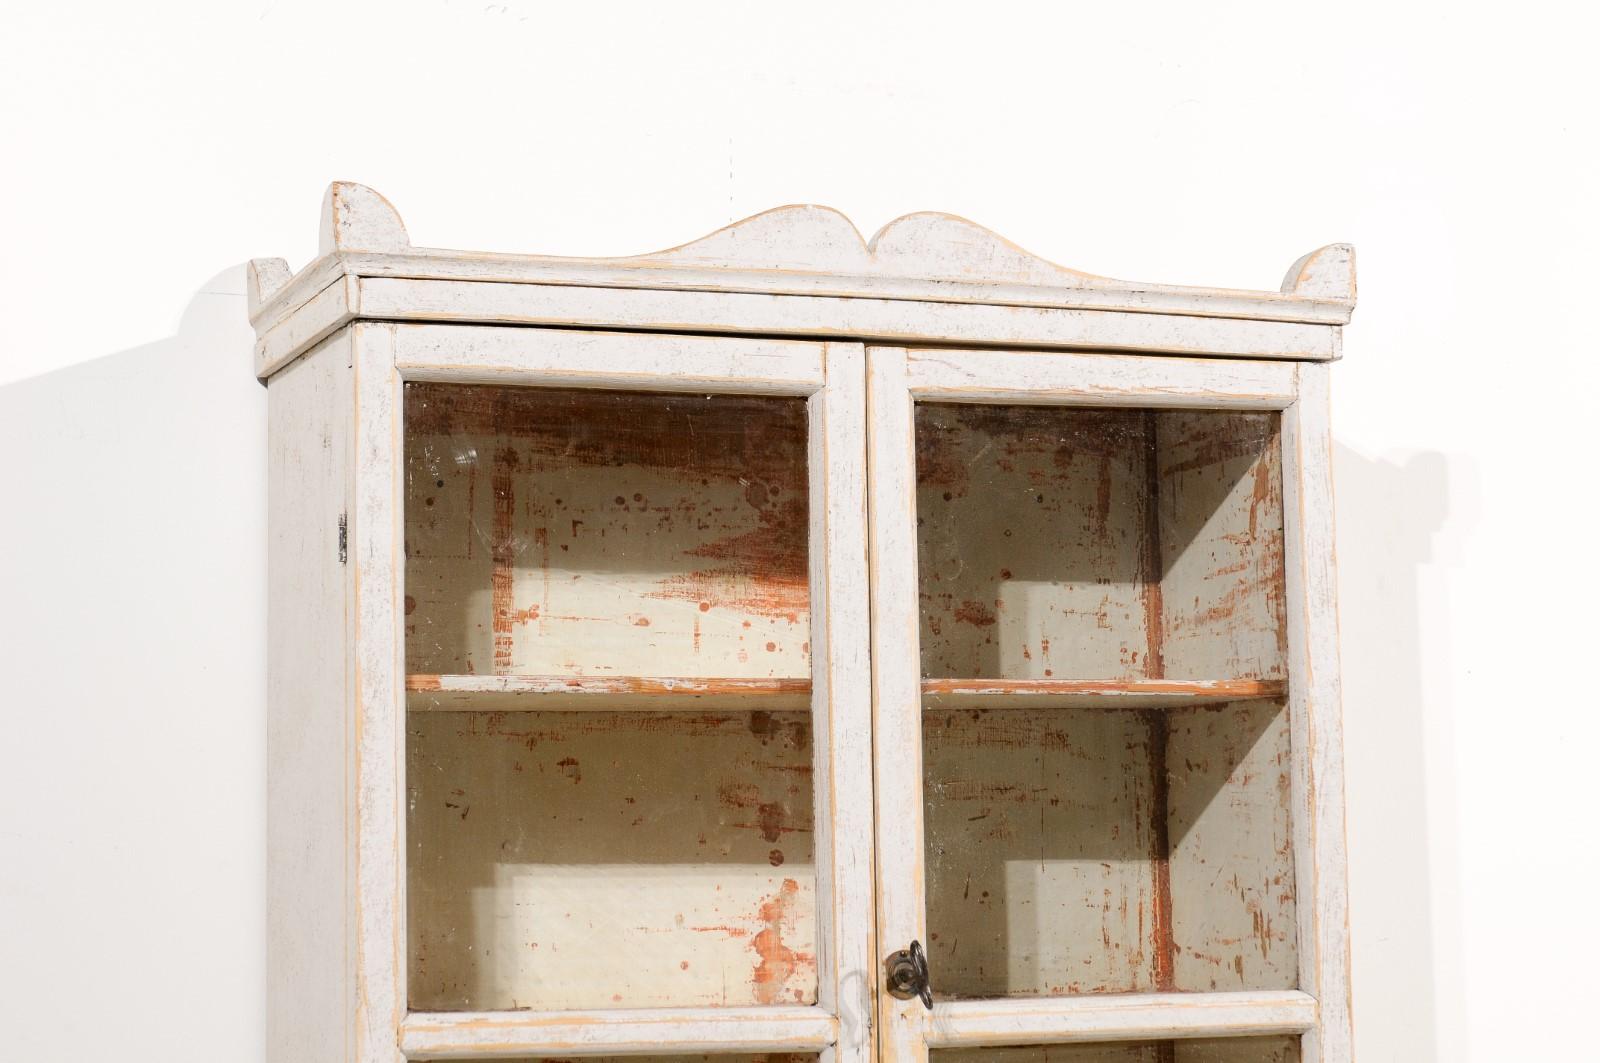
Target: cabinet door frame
(831,377)
(898,377)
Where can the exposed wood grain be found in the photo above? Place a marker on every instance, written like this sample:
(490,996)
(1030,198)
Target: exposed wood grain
(465,1035)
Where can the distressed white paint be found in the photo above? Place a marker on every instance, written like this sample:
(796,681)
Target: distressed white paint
(1228,817)
(310,725)
(795,270)
(576,358)
(1316,717)
(622,1031)
(1134,1016)
(805,273)
(896,687)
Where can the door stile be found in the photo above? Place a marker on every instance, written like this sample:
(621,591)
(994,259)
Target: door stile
(376,552)
(897,701)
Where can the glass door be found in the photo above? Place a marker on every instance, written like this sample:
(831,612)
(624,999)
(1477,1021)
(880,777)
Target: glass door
(1086,750)
(637,700)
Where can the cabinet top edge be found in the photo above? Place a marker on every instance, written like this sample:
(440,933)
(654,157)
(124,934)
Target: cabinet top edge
(797,251)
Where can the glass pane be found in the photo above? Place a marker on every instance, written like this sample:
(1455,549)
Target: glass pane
(631,827)
(1204,1050)
(592,533)
(1106,745)
(1094,544)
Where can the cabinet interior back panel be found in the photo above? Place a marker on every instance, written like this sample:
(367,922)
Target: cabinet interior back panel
(1202,1050)
(1099,544)
(593,860)
(593,533)
(1108,851)
(1219,491)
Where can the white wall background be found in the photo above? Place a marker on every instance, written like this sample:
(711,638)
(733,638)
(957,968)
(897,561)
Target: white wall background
(147,150)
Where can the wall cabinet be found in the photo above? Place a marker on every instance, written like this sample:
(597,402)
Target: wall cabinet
(785,647)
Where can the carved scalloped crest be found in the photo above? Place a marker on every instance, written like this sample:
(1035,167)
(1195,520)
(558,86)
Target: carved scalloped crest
(939,246)
(927,245)
(799,237)
(814,241)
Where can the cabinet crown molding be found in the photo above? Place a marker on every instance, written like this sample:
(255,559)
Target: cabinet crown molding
(804,257)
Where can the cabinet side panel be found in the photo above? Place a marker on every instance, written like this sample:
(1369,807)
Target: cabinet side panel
(308,748)
(1316,717)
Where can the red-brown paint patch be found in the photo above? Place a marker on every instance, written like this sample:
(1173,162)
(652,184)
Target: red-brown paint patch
(975,613)
(777,961)
(503,542)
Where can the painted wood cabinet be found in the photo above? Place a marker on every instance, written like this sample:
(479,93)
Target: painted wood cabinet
(788,647)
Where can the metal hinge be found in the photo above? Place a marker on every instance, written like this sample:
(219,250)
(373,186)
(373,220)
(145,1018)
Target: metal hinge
(344,538)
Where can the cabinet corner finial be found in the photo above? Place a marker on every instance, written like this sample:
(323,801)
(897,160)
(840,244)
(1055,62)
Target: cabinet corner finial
(1326,273)
(355,218)
(263,278)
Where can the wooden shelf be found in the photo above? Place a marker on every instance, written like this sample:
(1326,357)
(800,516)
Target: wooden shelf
(514,693)
(1094,693)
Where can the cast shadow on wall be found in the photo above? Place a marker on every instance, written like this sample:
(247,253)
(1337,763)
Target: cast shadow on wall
(1390,513)
(134,629)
